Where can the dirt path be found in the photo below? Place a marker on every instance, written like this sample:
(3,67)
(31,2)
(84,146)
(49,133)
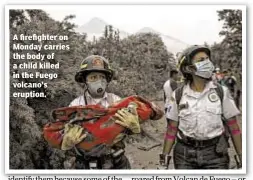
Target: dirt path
(141,159)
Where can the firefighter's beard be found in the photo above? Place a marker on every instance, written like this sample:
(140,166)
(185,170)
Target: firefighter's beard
(97,88)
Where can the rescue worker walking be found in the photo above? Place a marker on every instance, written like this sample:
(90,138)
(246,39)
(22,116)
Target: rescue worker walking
(195,114)
(231,82)
(95,73)
(169,86)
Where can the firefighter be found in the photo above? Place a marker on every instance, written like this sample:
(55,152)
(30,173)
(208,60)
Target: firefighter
(170,85)
(231,82)
(96,74)
(195,114)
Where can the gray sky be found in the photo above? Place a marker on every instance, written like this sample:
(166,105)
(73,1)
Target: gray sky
(190,23)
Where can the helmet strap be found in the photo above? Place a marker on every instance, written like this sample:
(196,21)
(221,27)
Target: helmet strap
(189,69)
(84,95)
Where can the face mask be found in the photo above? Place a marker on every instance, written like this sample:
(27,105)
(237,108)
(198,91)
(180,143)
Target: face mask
(204,69)
(97,88)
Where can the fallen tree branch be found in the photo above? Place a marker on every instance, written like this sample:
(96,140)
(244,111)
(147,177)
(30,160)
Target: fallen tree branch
(149,147)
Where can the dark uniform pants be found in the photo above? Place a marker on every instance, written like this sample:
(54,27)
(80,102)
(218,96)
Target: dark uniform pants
(123,163)
(190,157)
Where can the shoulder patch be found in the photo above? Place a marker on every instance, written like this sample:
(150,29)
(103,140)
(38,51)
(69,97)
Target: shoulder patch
(213,97)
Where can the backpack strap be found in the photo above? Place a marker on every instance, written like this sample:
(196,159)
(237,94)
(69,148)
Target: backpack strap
(164,97)
(220,92)
(178,94)
(173,85)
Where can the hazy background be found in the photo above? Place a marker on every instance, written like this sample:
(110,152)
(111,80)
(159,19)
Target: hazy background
(142,53)
(179,26)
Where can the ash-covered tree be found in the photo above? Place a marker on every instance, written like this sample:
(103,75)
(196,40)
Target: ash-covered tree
(28,150)
(228,54)
(141,60)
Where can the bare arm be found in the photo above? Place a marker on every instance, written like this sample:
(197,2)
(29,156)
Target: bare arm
(170,136)
(236,135)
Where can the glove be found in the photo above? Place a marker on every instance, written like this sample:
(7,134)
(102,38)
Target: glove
(73,134)
(128,119)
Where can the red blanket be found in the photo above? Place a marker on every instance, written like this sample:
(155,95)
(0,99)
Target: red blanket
(98,122)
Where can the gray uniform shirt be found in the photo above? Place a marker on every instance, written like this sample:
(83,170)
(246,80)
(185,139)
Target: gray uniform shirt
(105,101)
(201,117)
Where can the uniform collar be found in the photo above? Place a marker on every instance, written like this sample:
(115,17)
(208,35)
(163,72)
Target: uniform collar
(210,85)
(87,94)
(188,91)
